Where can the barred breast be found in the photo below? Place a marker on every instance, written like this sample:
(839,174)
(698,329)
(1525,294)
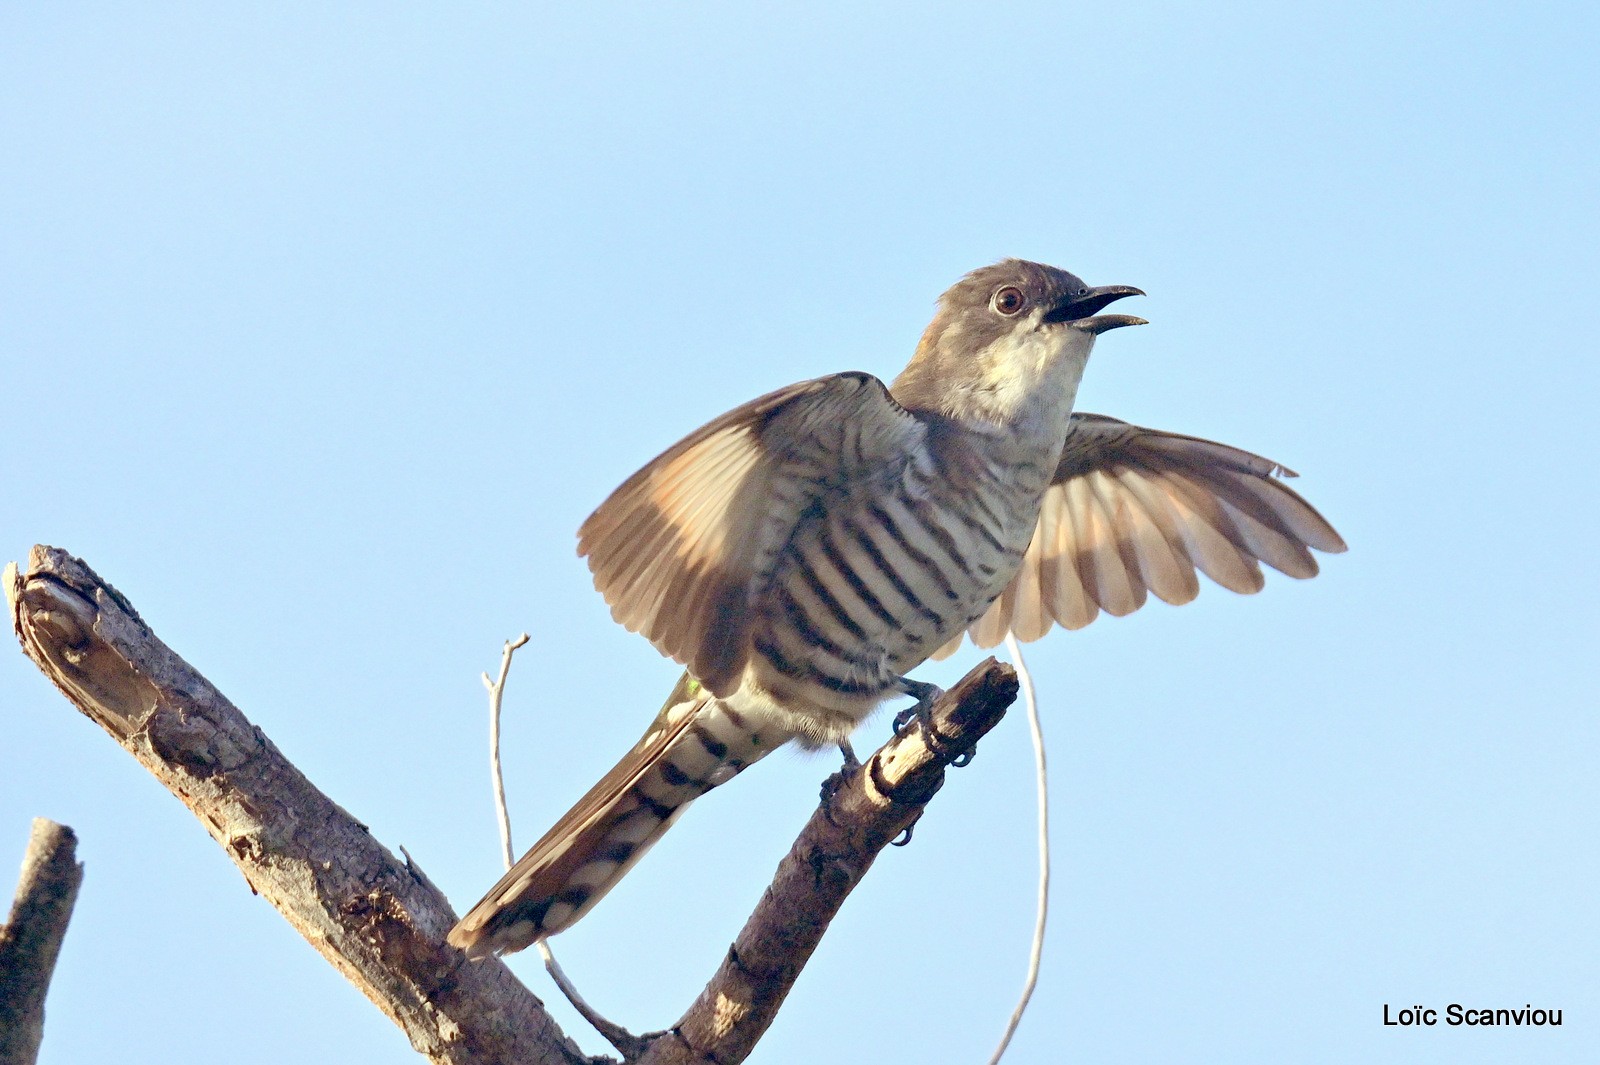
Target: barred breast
(878,579)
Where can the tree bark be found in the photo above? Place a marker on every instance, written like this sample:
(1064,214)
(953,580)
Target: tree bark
(30,940)
(380,921)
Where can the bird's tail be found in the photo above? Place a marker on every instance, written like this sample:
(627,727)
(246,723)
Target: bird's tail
(696,742)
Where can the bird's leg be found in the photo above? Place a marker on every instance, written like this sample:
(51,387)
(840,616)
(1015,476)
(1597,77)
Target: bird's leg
(922,713)
(835,781)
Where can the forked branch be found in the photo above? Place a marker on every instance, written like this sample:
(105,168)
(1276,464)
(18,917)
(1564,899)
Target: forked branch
(379,920)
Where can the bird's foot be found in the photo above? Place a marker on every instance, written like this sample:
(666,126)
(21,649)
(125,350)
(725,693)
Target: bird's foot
(922,713)
(851,762)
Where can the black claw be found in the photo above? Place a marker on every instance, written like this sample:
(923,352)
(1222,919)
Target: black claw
(905,833)
(903,720)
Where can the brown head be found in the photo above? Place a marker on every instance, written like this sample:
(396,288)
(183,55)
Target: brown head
(1002,334)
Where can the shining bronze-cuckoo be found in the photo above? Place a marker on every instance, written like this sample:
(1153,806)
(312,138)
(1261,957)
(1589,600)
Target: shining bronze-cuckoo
(803,552)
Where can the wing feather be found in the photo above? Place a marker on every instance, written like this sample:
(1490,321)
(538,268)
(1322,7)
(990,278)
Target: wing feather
(1119,587)
(1210,535)
(1299,518)
(949,649)
(1030,617)
(1163,561)
(991,628)
(1136,510)
(1068,598)
(1088,540)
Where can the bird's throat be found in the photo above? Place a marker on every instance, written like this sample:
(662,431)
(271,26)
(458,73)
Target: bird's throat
(1026,383)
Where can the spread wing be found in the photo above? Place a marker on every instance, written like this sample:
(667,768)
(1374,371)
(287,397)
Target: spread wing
(680,549)
(1135,510)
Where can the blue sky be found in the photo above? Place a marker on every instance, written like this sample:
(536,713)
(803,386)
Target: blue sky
(323,330)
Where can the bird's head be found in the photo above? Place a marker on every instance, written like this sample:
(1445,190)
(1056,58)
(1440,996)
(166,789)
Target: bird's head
(1005,333)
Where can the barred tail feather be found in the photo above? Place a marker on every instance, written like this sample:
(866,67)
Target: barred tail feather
(696,743)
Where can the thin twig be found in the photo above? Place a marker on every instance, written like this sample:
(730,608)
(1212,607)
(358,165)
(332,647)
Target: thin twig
(1037,951)
(628,1044)
(497,690)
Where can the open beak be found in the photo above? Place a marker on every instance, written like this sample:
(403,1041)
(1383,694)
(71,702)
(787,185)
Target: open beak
(1080,309)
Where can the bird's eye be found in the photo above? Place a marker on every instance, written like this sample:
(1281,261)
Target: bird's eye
(1009,300)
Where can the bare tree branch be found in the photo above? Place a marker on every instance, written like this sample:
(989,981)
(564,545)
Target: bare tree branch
(861,813)
(378,920)
(31,939)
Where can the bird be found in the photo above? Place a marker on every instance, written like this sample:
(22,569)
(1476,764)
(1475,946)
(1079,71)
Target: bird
(800,554)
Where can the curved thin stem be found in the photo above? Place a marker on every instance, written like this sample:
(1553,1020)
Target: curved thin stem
(629,1044)
(1037,951)
(497,690)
